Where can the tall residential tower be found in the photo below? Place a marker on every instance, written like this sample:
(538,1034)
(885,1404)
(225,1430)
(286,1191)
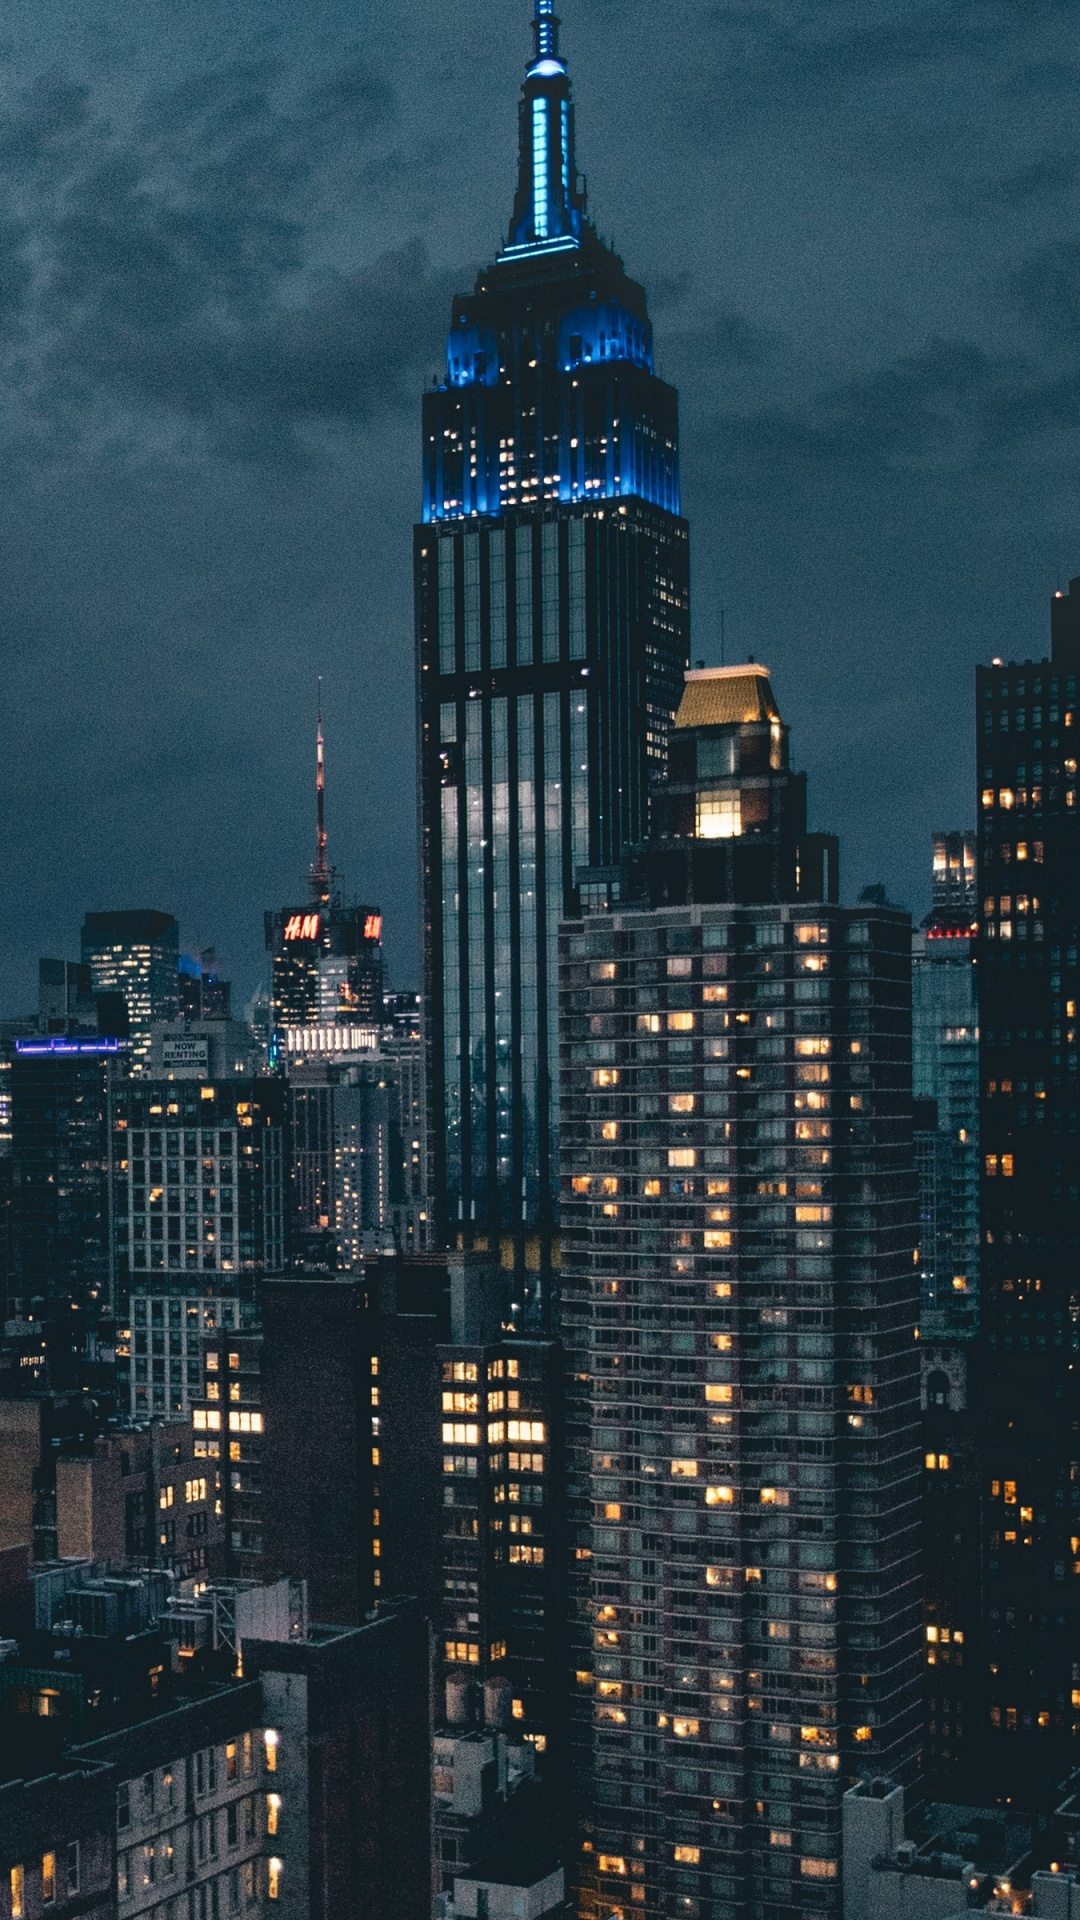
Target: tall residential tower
(551,572)
(739,1305)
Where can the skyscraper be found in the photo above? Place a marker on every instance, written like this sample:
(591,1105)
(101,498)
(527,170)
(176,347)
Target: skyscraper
(136,955)
(945,1084)
(327,967)
(63,1089)
(1029,986)
(551,576)
(739,1311)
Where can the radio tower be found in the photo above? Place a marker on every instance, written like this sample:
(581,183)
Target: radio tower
(322,873)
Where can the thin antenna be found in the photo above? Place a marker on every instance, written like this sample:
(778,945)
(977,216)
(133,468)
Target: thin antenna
(723,621)
(320,872)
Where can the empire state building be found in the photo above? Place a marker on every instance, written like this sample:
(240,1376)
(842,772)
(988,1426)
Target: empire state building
(552,589)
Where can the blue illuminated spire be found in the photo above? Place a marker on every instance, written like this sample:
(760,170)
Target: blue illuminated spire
(550,204)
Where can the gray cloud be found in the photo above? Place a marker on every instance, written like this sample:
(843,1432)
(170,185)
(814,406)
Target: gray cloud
(224,276)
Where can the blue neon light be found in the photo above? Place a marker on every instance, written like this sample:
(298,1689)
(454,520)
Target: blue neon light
(546,70)
(540,168)
(70,1046)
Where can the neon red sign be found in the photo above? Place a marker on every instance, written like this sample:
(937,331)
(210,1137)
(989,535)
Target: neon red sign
(373,927)
(303,926)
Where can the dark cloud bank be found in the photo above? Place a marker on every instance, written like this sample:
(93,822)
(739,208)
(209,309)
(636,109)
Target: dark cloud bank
(221,292)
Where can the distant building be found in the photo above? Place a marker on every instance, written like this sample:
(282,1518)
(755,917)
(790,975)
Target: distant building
(201,1049)
(200,1220)
(228,1425)
(326,958)
(139,1497)
(401,1047)
(204,995)
(945,1084)
(343,1141)
(327,967)
(65,997)
(135,955)
(1028,744)
(62,1145)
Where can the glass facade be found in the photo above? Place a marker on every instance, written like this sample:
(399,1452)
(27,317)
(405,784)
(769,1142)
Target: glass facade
(552,623)
(549,672)
(135,956)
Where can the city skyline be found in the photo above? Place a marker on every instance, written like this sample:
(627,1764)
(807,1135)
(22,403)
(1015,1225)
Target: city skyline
(561,1404)
(945,500)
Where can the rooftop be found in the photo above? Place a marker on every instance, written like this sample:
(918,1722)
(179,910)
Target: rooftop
(726,697)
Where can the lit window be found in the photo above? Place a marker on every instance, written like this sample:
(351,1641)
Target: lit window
(716,1238)
(681,1157)
(680,1022)
(717,1394)
(273,1811)
(271,1742)
(48,1877)
(684,1469)
(612,1863)
(812,1869)
(273,1879)
(864,1733)
(17,1883)
(719,1496)
(686,1729)
(688,1856)
(719,815)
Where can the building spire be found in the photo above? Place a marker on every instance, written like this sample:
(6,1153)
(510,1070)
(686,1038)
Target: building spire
(546,28)
(321,874)
(550,204)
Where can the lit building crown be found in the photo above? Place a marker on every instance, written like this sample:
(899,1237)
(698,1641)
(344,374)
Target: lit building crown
(550,394)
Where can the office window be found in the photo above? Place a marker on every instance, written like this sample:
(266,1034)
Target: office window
(48,1877)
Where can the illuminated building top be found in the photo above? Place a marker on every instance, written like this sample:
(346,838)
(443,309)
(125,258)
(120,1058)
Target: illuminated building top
(550,393)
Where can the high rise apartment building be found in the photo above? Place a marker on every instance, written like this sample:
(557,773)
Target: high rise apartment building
(199,1218)
(135,955)
(551,579)
(739,1311)
(1029,987)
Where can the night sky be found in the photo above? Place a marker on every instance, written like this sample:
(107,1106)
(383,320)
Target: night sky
(229,233)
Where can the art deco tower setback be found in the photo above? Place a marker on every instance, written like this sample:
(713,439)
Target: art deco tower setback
(552,617)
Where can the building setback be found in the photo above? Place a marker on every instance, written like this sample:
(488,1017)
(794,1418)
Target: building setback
(551,585)
(1029,986)
(739,1311)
